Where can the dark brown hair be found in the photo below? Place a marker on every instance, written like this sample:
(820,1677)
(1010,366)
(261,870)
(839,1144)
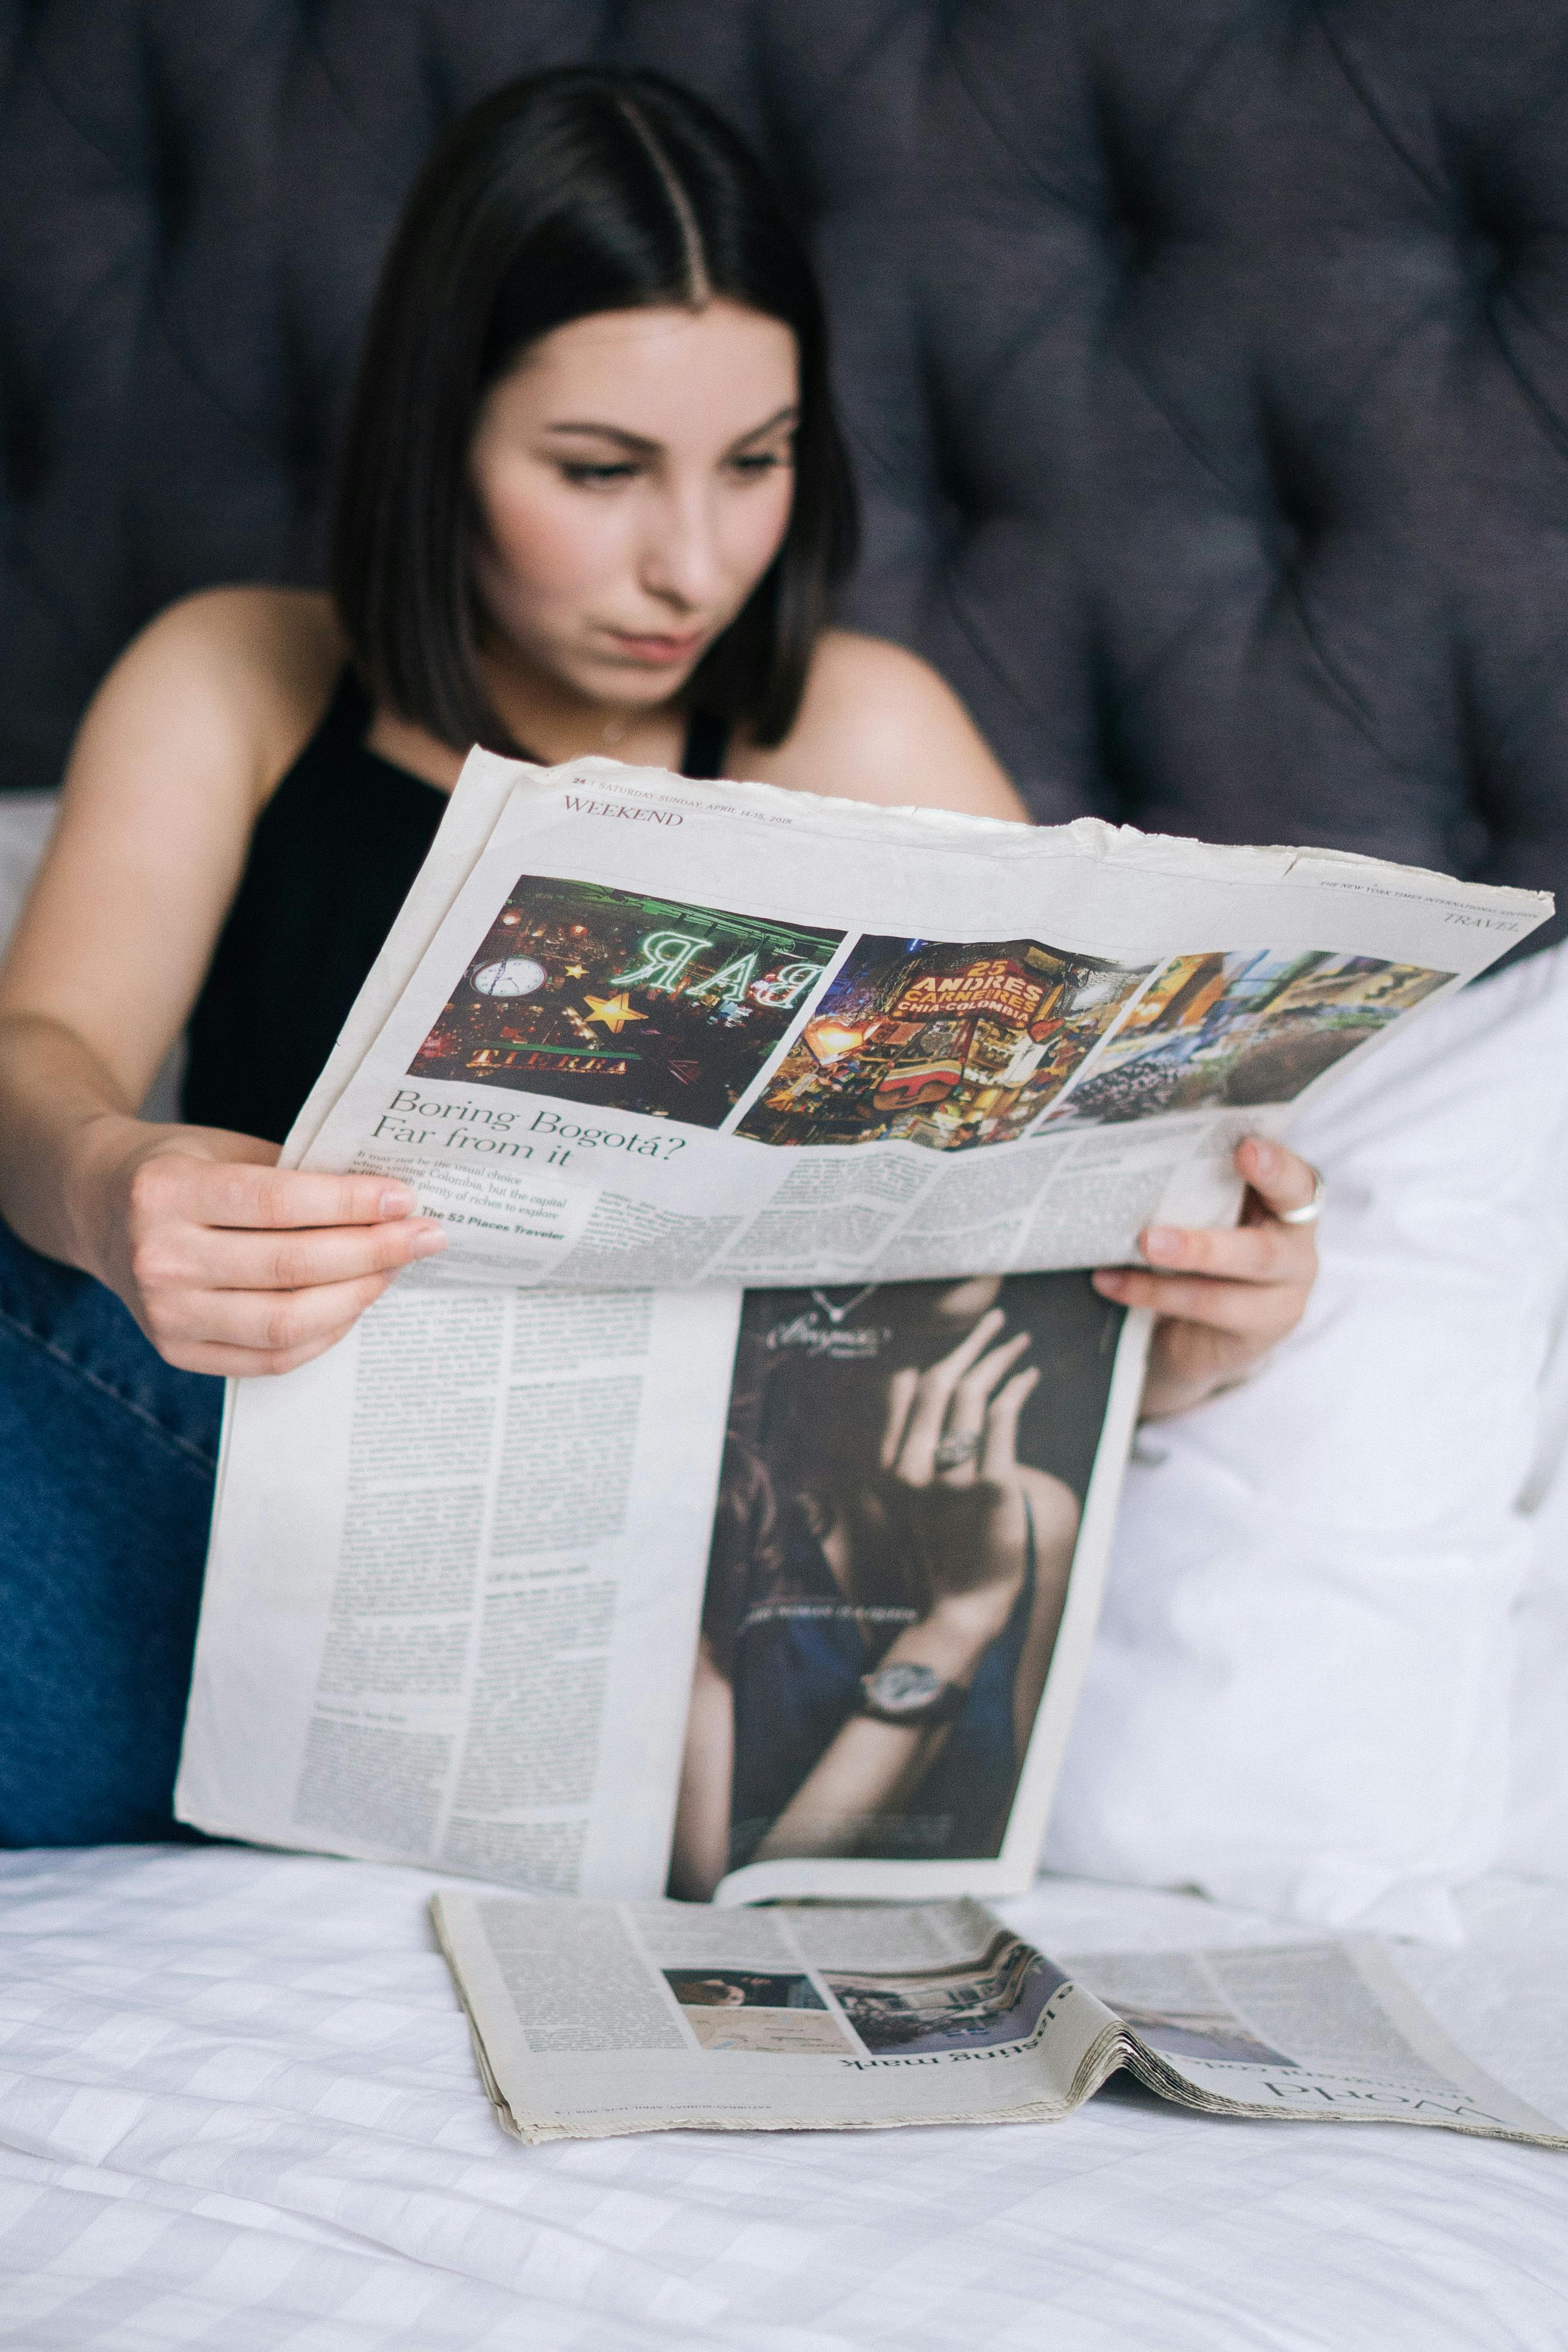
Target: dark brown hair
(574,192)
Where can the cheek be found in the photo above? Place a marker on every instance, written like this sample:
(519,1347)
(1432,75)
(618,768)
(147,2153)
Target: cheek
(548,541)
(754,527)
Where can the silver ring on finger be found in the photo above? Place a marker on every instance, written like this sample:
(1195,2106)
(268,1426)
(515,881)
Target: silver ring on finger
(954,1451)
(1310,1211)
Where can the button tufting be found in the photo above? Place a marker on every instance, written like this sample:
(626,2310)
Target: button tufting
(1155,334)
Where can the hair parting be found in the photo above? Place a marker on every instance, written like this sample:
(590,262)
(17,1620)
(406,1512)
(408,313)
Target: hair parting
(699,285)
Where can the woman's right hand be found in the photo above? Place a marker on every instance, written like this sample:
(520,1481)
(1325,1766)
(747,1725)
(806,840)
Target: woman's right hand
(951,1448)
(230,1263)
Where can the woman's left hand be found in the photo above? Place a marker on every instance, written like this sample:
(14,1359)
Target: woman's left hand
(1223,1294)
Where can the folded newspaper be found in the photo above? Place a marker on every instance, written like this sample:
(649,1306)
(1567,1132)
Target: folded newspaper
(631,1029)
(594,2018)
(726,1511)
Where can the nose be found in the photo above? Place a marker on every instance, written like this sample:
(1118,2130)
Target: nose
(682,563)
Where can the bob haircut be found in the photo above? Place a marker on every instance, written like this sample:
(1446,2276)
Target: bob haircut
(574,191)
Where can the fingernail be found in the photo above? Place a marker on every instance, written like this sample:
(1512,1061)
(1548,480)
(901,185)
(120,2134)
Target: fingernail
(1266,1159)
(1163,1241)
(1106,1278)
(426,1244)
(397,1201)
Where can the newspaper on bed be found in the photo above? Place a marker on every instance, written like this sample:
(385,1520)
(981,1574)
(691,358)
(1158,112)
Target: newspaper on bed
(633,1029)
(591,2019)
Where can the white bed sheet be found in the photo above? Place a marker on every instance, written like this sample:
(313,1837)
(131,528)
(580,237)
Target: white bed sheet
(239,2109)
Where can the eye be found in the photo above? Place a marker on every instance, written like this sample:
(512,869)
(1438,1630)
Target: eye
(586,476)
(757,462)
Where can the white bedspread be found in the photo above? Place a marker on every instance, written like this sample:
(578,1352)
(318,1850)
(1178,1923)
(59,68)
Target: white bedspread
(238,2110)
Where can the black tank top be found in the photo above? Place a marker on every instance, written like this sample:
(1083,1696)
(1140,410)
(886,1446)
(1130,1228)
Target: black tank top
(332,860)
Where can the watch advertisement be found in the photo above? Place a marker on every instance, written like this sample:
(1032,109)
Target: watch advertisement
(899,1504)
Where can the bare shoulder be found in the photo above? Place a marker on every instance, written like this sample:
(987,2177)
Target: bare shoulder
(243,672)
(182,743)
(291,632)
(1053,1506)
(179,748)
(878,723)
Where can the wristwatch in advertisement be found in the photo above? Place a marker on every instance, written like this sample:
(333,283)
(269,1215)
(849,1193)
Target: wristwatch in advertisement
(910,1695)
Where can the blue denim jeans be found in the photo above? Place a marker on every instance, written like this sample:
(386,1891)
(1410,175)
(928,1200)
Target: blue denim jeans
(107,1457)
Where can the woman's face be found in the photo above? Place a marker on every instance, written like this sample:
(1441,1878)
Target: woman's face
(633,478)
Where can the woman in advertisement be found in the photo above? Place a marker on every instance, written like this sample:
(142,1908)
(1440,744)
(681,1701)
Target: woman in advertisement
(890,1559)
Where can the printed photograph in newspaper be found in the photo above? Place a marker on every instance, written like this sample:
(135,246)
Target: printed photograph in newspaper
(1243,1030)
(945,1045)
(741,2008)
(898,1508)
(977,2005)
(625,1003)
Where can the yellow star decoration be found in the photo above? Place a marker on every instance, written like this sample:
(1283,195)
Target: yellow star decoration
(576,972)
(615,1011)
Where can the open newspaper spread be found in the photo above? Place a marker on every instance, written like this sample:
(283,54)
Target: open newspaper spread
(726,1511)
(594,2019)
(632,1030)
(541,1587)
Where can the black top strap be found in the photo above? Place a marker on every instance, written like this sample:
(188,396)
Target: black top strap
(706,742)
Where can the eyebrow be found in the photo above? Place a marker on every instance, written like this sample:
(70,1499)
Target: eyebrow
(642,447)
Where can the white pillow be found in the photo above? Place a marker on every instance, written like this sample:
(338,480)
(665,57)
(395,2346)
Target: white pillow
(1536,1843)
(27,820)
(1299,1695)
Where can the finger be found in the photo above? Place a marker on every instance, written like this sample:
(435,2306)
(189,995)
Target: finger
(1280,1177)
(1243,1309)
(964,1426)
(1000,1459)
(226,1192)
(267,1322)
(206,1257)
(901,1397)
(1265,1253)
(972,1396)
(929,1412)
(246,1364)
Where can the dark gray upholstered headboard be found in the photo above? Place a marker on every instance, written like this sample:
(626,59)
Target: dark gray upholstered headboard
(1206,360)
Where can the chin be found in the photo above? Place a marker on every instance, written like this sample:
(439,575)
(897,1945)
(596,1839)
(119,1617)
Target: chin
(631,688)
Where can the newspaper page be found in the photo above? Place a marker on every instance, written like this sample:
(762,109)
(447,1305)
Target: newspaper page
(588,1593)
(453,1589)
(594,2020)
(1327,2032)
(918,1481)
(633,1029)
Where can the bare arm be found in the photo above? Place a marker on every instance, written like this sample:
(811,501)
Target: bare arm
(870,1768)
(194,1229)
(701,1852)
(1055,1510)
(878,724)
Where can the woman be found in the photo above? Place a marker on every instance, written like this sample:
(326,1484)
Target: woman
(592,499)
(887,1574)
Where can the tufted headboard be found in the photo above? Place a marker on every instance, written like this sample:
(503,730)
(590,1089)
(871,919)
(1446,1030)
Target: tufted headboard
(1205,362)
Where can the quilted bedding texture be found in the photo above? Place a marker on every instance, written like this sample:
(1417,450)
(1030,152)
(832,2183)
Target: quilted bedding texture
(239,2109)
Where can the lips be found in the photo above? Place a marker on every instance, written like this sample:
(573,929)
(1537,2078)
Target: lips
(656,652)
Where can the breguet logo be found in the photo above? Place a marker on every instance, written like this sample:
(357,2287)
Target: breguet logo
(823,1330)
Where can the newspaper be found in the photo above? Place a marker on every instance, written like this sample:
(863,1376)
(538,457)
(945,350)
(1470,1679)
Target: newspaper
(630,1029)
(725,1512)
(591,2019)
(578,1592)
